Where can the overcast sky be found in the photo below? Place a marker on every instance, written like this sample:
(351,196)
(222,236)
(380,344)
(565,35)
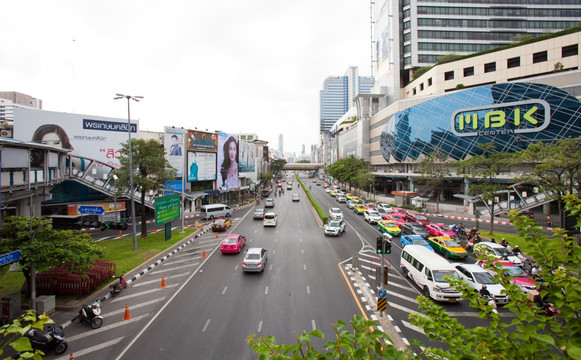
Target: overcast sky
(235,65)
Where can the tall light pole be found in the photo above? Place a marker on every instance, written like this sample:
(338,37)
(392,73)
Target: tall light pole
(134,98)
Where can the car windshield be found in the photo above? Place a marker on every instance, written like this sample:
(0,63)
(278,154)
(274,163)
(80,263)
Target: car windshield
(259,210)
(334,224)
(220,222)
(502,252)
(484,278)
(451,243)
(420,242)
(445,228)
(417,227)
(515,271)
(253,256)
(396,217)
(421,217)
(381,211)
(440,274)
(373,213)
(230,241)
(335,211)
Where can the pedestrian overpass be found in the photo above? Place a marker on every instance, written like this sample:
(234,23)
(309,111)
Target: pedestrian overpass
(30,170)
(302,166)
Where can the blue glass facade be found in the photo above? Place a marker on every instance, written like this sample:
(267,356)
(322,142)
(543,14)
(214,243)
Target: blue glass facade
(510,115)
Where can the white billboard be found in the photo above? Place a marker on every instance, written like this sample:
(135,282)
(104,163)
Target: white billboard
(201,166)
(90,136)
(174,144)
(247,159)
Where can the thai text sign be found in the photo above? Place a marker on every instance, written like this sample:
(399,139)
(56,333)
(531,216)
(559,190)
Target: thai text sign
(167,208)
(509,118)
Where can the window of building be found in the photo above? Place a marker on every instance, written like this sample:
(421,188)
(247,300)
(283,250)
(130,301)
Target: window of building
(539,57)
(414,91)
(571,50)
(449,75)
(490,67)
(513,62)
(430,82)
(422,87)
(469,71)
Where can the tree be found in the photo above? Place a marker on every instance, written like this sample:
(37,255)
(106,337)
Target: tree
(347,170)
(265,178)
(276,165)
(74,250)
(555,167)
(151,170)
(13,334)
(485,168)
(435,173)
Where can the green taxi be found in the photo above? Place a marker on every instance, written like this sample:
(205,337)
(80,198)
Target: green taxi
(388,227)
(447,247)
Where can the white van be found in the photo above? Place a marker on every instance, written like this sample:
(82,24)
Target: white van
(428,270)
(214,211)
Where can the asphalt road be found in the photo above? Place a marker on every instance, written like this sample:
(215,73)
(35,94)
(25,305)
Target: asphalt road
(209,306)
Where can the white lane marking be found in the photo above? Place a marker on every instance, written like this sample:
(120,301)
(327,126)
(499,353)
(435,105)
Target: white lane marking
(266,291)
(273,251)
(302,251)
(224,291)
(124,298)
(236,267)
(305,267)
(174,268)
(137,306)
(92,348)
(308,290)
(407,298)
(314,326)
(412,327)
(259,326)
(175,262)
(206,325)
(159,280)
(403,308)
(105,328)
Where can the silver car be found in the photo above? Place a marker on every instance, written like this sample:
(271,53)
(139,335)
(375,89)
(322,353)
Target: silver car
(350,204)
(334,228)
(254,260)
(258,214)
(341,199)
(372,216)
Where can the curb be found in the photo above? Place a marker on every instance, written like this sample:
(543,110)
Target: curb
(478,220)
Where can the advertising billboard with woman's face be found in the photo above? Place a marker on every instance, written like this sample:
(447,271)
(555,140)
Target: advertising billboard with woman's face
(94,137)
(227,165)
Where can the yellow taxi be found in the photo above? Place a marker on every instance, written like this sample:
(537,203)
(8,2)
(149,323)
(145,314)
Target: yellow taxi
(333,193)
(389,227)
(356,200)
(359,209)
(348,196)
(449,247)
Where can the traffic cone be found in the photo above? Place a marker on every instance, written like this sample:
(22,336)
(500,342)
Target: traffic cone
(203,253)
(217,236)
(186,224)
(127,316)
(71,357)
(163,281)
(155,229)
(120,233)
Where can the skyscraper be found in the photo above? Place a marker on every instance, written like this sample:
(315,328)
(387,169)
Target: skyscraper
(409,35)
(280,146)
(338,93)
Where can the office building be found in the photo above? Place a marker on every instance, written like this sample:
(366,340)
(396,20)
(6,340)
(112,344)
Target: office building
(338,94)
(412,34)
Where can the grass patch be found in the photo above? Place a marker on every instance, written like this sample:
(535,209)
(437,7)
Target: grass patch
(322,214)
(119,251)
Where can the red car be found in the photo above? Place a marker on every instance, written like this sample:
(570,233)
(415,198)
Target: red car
(417,218)
(516,275)
(370,206)
(399,211)
(441,230)
(396,218)
(233,244)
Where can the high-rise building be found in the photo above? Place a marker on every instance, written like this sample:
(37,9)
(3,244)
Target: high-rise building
(409,35)
(280,146)
(338,94)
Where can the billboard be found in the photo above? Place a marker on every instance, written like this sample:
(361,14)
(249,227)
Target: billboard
(201,166)
(247,159)
(167,208)
(202,141)
(94,137)
(265,153)
(227,165)
(173,142)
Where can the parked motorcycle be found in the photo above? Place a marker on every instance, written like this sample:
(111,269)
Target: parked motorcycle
(91,315)
(53,340)
(116,288)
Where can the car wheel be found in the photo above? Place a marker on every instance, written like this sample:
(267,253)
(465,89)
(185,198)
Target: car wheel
(227,215)
(405,272)
(447,255)
(426,291)
(211,217)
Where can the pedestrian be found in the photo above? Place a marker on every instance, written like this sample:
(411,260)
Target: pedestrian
(532,215)
(493,240)
(548,220)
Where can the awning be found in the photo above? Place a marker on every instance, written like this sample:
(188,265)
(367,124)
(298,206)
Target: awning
(419,198)
(195,196)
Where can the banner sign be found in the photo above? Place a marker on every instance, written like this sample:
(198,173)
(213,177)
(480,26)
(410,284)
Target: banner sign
(167,208)
(202,141)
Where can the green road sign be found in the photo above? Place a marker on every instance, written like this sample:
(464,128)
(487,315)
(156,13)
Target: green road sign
(167,208)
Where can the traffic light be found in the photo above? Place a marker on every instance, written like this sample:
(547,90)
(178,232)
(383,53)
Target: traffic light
(388,247)
(379,246)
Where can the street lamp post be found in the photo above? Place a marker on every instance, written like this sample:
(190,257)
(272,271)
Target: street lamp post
(134,98)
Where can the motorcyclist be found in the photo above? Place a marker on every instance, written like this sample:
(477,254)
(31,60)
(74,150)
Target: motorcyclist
(503,242)
(484,293)
(516,250)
